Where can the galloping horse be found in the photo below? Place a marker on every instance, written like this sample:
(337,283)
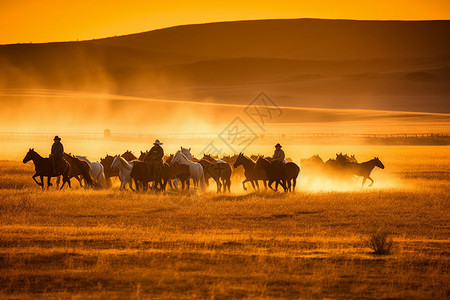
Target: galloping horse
(124,167)
(98,171)
(364,169)
(43,168)
(195,169)
(217,170)
(276,172)
(251,175)
(80,167)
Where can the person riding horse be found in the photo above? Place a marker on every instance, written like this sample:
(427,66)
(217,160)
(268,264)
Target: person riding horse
(155,155)
(56,156)
(278,154)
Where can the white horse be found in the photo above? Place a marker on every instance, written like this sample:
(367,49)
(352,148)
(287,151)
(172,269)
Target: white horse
(125,169)
(186,152)
(97,169)
(195,169)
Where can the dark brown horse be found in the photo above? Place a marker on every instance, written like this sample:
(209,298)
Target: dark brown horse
(80,167)
(364,169)
(275,172)
(128,155)
(178,172)
(218,170)
(43,168)
(251,174)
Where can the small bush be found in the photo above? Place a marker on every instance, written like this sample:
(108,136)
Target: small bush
(380,242)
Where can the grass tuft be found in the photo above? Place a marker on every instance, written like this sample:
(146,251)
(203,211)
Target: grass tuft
(380,242)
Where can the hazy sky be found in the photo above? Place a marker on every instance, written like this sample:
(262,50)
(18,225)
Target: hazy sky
(60,20)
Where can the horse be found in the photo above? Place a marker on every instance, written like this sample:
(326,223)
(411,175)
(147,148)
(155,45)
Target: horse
(187,153)
(124,167)
(129,156)
(79,167)
(236,173)
(218,170)
(276,172)
(195,168)
(292,171)
(364,169)
(106,163)
(177,172)
(251,175)
(43,168)
(142,155)
(313,165)
(98,171)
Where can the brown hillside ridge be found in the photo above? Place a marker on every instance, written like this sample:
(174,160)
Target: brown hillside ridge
(392,65)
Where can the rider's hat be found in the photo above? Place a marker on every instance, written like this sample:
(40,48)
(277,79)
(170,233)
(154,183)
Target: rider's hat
(278,145)
(57,138)
(157,142)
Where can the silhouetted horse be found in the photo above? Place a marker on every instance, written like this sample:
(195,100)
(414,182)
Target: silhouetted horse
(292,171)
(109,172)
(364,169)
(276,172)
(80,167)
(177,172)
(43,168)
(129,156)
(236,173)
(251,175)
(218,170)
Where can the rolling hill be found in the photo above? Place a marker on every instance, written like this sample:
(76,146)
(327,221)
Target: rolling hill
(387,65)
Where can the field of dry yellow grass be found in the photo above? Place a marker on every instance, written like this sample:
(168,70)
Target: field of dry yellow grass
(309,244)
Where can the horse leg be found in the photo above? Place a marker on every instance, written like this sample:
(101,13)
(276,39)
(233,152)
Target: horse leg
(364,181)
(49,184)
(265,184)
(130,184)
(370,180)
(58,181)
(284,185)
(253,184)
(243,184)
(34,178)
(219,186)
(42,181)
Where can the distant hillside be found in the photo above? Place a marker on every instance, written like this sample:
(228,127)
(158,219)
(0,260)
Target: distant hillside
(396,65)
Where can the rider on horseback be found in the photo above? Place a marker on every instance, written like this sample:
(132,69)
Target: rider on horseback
(156,154)
(278,154)
(56,156)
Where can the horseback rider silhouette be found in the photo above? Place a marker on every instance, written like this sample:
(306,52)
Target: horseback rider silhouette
(278,154)
(56,156)
(155,156)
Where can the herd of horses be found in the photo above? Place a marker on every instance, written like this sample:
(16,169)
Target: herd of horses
(181,168)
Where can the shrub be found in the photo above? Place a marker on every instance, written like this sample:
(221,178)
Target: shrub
(380,242)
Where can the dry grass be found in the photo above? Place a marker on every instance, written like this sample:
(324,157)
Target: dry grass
(109,244)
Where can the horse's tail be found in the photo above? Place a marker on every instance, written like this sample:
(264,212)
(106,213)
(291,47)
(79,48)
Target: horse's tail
(86,173)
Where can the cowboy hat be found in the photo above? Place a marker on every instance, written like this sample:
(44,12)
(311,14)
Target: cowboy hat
(157,142)
(56,138)
(278,145)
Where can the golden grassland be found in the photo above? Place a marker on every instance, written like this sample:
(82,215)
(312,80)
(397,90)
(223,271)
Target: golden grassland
(111,244)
